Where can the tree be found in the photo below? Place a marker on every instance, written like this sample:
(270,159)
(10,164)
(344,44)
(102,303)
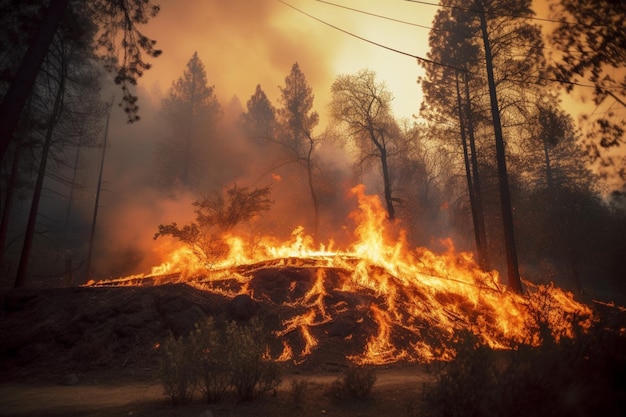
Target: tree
(65,96)
(112,17)
(259,120)
(363,106)
(217,215)
(297,120)
(191,111)
(591,41)
(494,38)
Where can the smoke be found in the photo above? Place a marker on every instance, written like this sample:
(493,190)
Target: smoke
(241,44)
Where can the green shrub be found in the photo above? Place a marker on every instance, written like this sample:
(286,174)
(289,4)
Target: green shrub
(235,358)
(355,384)
(252,370)
(214,374)
(177,369)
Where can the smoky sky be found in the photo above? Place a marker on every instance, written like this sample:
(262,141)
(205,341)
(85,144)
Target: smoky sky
(242,43)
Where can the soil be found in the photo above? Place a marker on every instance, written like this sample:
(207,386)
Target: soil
(93,351)
(107,395)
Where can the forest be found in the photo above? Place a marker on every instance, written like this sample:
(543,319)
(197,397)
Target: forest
(304,248)
(491,158)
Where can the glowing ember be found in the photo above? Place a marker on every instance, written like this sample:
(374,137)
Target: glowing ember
(416,300)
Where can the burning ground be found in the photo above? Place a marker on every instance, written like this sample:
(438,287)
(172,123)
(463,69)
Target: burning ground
(375,302)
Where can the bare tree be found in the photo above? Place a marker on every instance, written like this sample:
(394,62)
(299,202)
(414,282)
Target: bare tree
(363,106)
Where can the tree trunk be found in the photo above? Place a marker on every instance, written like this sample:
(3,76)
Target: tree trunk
(94,219)
(468,176)
(22,271)
(503,179)
(22,84)
(309,169)
(8,201)
(546,153)
(391,211)
(478,197)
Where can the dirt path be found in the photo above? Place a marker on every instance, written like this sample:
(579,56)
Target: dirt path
(393,389)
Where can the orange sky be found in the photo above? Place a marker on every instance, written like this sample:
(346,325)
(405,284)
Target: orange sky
(243,43)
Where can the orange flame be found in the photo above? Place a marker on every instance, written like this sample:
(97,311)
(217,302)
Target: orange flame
(420,289)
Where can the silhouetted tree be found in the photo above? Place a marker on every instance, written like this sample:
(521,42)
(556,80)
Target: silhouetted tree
(363,106)
(259,120)
(217,215)
(495,38)
(191,112)
(591,40)
(297,120)
(112,17)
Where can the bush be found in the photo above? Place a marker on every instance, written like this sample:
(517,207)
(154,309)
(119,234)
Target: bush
(218,360)
(214,375)
(177,369)
(355,384)
(584,376)
(252,370)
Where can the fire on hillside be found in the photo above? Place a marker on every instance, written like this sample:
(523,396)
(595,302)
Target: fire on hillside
(413,303)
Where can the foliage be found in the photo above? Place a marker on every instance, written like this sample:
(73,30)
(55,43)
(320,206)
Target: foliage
(218,360)
(355,384)
(296,117)
(582,376)
(591,41)
(215,216)
(259,121)
(252,371)
(178,369)
(191,111)
(112,18)
(213,372)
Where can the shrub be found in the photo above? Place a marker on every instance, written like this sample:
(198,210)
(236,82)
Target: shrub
(355,384)
(177,369)
(214,375)
(582,376)
(218,360)
(252,370)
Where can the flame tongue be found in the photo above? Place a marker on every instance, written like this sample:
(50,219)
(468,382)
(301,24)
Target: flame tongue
(390,302)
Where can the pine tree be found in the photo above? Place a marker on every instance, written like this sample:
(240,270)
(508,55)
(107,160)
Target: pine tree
(191,112)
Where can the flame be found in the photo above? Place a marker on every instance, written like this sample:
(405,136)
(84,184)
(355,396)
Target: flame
(418,291)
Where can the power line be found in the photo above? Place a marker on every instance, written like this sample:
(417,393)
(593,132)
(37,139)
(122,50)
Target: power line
(381,16)
(466,9)
(415,24)
(419,58)
(430,61)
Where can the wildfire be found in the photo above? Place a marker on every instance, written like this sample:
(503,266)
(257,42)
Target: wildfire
(416,300)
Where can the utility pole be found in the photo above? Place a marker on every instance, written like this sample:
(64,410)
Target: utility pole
(97,203)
